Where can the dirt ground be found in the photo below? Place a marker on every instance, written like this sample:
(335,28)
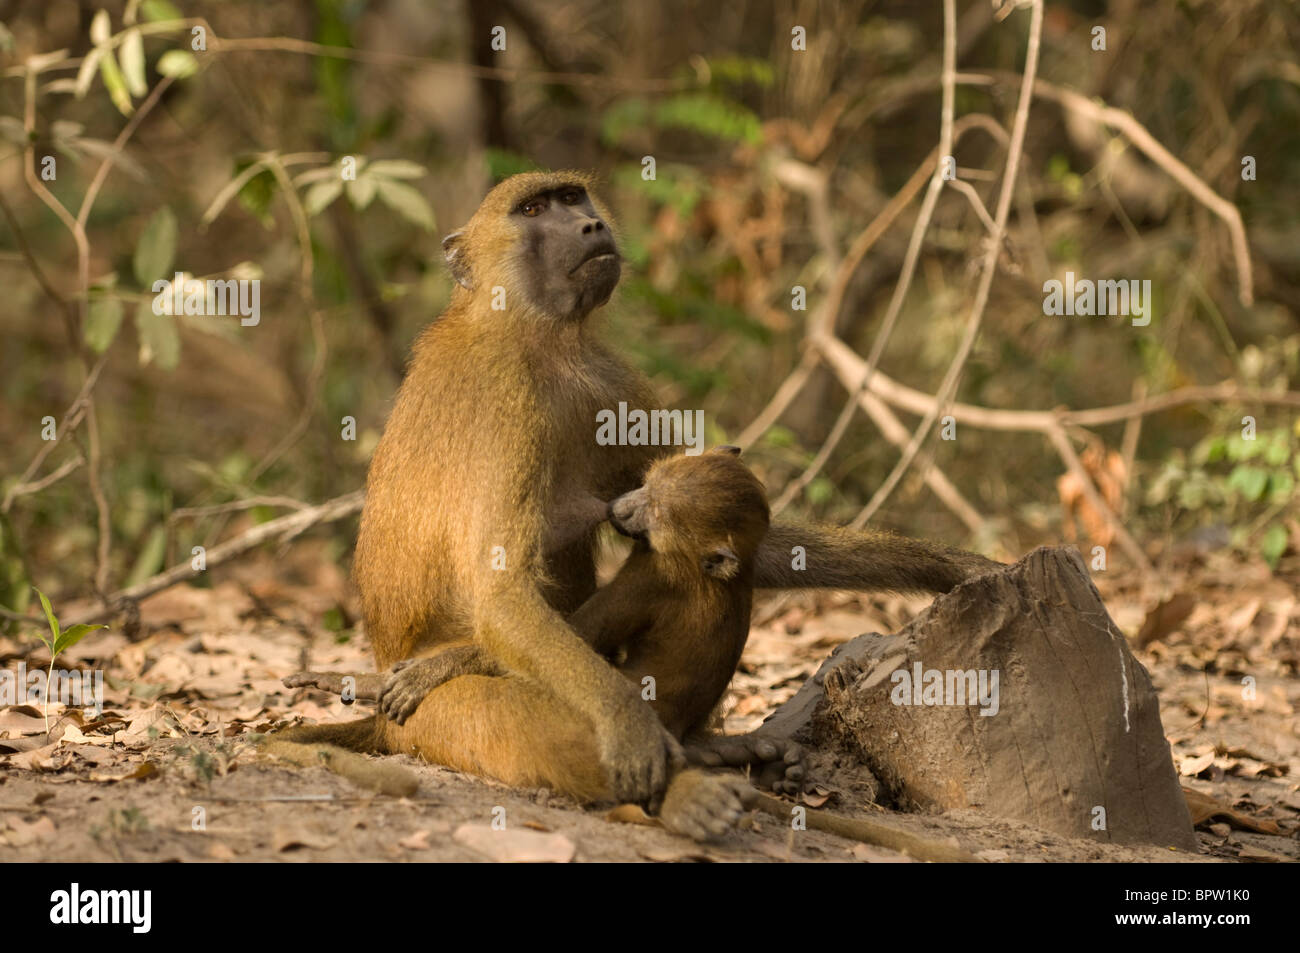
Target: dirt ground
(168,772)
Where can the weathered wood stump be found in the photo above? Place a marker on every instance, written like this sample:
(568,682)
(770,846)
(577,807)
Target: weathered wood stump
(1015,694)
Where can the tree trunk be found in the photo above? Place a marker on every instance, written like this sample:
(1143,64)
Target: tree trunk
(1015,694)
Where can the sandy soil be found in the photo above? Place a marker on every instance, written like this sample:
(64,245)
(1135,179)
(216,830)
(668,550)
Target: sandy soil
(168,773)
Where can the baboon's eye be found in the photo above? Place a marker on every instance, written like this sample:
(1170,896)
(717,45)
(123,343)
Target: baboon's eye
(571,196)
(533,207)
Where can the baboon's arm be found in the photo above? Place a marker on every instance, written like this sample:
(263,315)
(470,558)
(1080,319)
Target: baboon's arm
(615,614)
(837,558)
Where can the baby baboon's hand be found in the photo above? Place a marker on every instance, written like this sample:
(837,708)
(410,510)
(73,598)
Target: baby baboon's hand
(705,806)
(778,761)
(409,681)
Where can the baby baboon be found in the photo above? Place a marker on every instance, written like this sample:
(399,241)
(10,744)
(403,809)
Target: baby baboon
(675,618)
(482,502)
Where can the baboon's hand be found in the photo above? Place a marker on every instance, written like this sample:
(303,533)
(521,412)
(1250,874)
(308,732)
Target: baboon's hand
(407,684)
(638,754)
(409,681)
(779,762)
(705,806)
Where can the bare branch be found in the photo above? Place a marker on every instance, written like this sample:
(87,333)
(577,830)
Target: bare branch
(989,269)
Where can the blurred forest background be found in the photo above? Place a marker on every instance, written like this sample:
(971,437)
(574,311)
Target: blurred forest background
(770,162)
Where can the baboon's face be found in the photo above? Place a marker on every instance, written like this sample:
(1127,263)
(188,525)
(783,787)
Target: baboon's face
(710,507)
(567,252)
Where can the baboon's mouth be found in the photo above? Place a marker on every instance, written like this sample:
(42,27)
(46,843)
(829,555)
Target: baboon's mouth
(598,253)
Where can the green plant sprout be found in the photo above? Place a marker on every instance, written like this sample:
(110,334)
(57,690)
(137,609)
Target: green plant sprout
(60,640)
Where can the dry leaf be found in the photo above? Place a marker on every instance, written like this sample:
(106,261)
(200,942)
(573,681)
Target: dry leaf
(291,838)
(817,795)
(1191,767)
(1165,617)
(417,841)
(17,720)
(23,834)
(515,845)
(1203,808)
(1260,855)
(145,769)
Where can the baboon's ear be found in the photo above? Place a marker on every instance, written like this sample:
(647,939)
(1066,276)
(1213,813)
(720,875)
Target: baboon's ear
(453,247)
(721,563)
(727,448)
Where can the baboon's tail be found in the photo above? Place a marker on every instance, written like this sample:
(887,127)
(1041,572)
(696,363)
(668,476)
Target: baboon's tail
(363,735)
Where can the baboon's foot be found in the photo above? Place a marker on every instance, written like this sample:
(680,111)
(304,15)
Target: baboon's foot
(705,806)
(777,762)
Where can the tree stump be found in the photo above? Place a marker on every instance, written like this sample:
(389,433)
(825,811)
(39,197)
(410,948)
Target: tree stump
(1014,694)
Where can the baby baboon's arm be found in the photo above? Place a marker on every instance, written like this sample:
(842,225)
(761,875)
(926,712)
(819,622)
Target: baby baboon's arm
(408,682)
(615,614)
(801,556)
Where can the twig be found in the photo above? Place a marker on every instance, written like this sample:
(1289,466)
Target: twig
(234,506)
(968,190)
(286,527)
(1178,171)
(1129,443)
(828,314)
(848,366)
(949,386)
(872,832)
(1061,442)
(105,525)
(317,371)
(71,417)
(37,272)
(784,396)
(27,489)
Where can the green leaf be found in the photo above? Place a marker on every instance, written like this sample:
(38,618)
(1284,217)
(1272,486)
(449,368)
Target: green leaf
(156,249)
(178,63)
(1277,451)
(132,54)
(361,190)
(151,557)
(100,28)
(74,635)
(156,10)
(86,74)
(49,617)
(1273,545)
(711,116)
(406,201)
(820,490)
(160,342)
(1210,450)
(320,195)
(1249,481)
(1280,486)
(102,322)
(396,169)
(115,83)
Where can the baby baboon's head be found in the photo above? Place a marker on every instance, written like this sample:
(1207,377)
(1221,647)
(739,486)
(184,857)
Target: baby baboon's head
(709,509)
